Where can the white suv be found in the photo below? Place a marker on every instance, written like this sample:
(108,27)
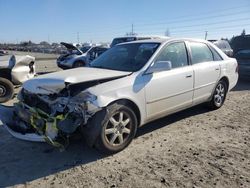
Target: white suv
(128,86)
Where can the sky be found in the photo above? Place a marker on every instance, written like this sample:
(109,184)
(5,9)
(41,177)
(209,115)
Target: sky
(102,20)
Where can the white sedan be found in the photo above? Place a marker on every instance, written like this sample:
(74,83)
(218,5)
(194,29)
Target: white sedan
(128,86)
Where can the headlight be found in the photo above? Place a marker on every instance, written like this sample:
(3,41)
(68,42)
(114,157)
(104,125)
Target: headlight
(85,97)
(85,100)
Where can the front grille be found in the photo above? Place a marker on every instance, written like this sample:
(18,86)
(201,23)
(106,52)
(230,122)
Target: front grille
(34,101)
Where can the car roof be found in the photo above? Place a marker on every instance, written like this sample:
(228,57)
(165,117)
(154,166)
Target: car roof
(167,39)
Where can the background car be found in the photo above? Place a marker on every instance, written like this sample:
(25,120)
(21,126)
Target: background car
(3,52)
(76,57)
(243,59)
(132,38)
(224,46)
(14,70)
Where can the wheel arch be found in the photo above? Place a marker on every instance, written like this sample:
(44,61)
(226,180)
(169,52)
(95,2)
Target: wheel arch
(226,80)
(6,73)
(132,105)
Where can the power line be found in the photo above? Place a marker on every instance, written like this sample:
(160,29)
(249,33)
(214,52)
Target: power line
(194,19)
(218,27)
(205,24)
(205,13)
(180,20)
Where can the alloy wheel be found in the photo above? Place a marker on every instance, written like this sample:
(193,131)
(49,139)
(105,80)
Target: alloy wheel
(118,128)
(219,95)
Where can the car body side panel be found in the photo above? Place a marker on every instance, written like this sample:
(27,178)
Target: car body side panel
(228,70)
(122,89)
(206,76)
(169,91)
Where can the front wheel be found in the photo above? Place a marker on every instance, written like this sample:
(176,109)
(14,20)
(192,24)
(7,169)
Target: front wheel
(219,95)
(117,129)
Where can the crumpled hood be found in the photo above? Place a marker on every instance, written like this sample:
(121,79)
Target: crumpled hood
(55,82)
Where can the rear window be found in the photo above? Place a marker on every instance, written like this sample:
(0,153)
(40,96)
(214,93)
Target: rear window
(222,44)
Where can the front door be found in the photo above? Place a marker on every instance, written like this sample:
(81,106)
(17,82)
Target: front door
(172,90)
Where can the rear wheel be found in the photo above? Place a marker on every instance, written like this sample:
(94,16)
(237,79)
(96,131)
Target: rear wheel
(219,95)
(78,64)
(6,90)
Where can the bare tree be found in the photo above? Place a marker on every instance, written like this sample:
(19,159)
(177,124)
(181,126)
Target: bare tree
(243,32)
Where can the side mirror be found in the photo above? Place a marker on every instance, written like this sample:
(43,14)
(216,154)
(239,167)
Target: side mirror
(159,66)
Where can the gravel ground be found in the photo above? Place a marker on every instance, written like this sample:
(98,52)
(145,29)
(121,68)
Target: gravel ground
(193,148)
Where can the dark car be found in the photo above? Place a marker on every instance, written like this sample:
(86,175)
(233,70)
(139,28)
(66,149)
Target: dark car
(3,52)
(243,58)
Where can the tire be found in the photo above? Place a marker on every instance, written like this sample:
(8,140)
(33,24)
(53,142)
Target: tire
(78,64)
(219,96)
(6,90)
(115,128)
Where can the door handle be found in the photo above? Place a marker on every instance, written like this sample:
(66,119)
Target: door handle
(217,69)
(189,76)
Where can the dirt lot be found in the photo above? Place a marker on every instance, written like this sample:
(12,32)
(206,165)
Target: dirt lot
(193,148)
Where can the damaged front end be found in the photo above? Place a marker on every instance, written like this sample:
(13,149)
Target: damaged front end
(51,118)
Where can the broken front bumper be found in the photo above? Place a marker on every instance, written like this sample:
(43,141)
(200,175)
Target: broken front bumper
(6,114)
(30,124)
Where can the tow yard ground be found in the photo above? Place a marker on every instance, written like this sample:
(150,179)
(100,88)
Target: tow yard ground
(193,148)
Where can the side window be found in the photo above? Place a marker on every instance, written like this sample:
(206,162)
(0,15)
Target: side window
(200,52)
(175,53)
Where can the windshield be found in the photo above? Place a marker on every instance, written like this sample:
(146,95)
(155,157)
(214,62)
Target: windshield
(127,57)
(85,49)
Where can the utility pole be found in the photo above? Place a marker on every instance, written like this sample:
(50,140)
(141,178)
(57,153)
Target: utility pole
(132,29)
(205,35)
(48,39)
(78,39)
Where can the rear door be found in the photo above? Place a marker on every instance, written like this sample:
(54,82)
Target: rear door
(206,71)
